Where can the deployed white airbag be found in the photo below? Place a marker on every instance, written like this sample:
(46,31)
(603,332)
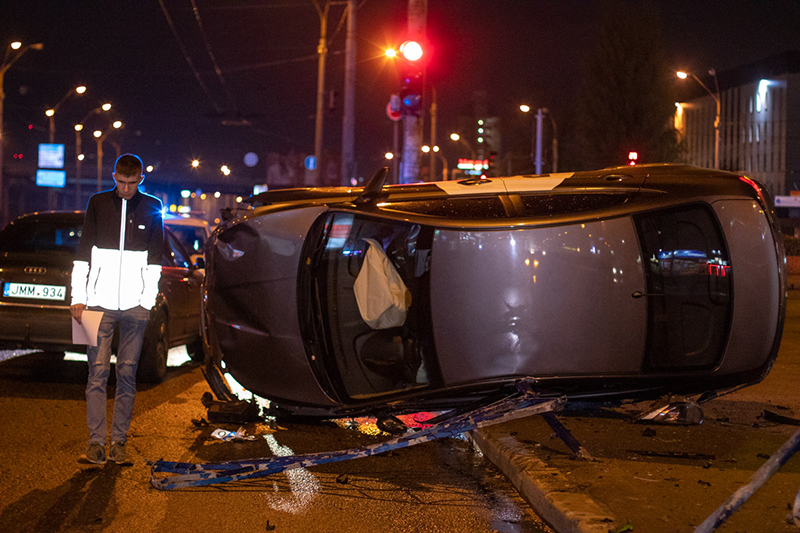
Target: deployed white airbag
(383,299)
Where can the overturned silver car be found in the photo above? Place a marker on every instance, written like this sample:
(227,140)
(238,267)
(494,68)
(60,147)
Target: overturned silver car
(627,282)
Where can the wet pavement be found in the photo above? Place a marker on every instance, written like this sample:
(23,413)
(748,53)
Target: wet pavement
(656,478)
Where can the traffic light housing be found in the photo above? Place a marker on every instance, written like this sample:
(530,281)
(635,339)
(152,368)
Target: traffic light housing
(411,78)
(411,91)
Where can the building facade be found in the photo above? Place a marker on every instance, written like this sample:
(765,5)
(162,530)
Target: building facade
(759,123)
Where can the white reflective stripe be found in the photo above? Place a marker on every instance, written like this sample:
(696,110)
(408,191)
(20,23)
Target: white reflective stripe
(122,224)
(513,184)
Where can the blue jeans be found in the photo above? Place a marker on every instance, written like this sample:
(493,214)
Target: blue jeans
(132,323)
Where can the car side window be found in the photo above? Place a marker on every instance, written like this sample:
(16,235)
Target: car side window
(689,286)
(174,255)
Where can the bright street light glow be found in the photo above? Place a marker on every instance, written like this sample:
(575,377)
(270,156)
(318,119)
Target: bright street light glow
(524,108)
(78,127)
(16,45)
(195,163)
(426,148)
(106,107)
(388,155)
(117,124)
(411,50)
(149,168)
(217,194)
(436,148)
(186,193)
(391,52)
(97,133)
(455,136)
(682,75)
(80,157)
(80,89)
(50,112)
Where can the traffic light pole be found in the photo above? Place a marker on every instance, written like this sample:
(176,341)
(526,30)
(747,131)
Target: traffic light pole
(412,123)
(322,50)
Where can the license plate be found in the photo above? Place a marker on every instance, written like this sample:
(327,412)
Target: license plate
(34,291)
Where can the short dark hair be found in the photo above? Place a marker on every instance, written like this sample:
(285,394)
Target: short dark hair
(128,165)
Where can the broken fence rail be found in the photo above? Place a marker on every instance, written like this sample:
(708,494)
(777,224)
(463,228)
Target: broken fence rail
(521,405)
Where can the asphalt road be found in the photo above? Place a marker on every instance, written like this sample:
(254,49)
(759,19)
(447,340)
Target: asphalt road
(438,486)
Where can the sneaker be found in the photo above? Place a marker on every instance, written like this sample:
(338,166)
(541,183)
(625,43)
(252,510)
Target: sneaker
(118,453)
(96,453)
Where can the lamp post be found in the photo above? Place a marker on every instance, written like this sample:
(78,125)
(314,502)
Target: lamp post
(13,52)
(434,152)
(52,111)
(536,137)
(715,95)
(100,137)
(78,150)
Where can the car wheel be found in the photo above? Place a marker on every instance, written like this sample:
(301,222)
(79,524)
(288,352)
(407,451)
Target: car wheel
(153,361)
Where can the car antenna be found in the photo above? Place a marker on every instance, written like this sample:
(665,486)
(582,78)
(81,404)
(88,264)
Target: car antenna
(373,187)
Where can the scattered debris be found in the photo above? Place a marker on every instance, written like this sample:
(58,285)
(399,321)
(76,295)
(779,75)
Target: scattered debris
(649,432)
(238,435)
(780,419)
(675,455)
(704,483)
(270,527)
(240,412)
(200,423)
(627,526)
(763,455)
(673,410)
(343,479)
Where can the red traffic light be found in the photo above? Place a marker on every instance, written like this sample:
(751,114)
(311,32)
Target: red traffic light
(411,50)
(632,157)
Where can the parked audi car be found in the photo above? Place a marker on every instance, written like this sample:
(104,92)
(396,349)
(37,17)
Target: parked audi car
(627,282)
(36,254)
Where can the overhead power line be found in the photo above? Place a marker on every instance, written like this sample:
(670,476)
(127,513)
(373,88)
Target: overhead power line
(189,61)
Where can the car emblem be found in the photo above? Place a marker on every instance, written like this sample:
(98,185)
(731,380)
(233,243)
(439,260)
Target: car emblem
(35,270)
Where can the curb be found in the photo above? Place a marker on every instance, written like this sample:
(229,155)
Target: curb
(546,489)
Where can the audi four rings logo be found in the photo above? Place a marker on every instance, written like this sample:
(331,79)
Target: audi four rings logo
(35,270)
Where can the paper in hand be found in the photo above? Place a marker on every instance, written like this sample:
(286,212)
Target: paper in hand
(86,331)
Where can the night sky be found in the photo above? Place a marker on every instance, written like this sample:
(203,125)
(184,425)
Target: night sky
(264,97)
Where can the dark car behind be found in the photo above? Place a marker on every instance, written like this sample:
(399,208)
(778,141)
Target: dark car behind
(36,255)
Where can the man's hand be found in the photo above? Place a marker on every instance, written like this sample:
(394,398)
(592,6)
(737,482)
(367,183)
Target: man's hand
(77,311)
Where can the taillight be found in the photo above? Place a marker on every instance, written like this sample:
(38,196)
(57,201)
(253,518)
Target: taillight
(756,187)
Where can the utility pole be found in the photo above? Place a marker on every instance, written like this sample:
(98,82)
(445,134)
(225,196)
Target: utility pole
(538,160)
(322,50)
(348,119)
(412,123)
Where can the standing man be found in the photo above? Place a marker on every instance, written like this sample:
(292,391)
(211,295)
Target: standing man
(116,271)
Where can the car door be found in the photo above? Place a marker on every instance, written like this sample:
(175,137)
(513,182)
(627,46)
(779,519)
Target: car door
(181,285)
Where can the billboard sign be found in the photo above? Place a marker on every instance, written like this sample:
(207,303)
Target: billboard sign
(51,155)
(51,178)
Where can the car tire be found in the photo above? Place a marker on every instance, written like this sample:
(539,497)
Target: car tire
(153,361)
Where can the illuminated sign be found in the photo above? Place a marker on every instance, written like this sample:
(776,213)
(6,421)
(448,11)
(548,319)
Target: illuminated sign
(51,178)
(473,164)
(51,155)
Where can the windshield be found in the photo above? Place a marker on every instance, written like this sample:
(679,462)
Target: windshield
(31,235)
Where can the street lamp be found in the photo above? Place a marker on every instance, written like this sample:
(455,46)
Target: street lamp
(79,154)
(52,111)
(715,95)
(9,59)
(456,137)
(100,136)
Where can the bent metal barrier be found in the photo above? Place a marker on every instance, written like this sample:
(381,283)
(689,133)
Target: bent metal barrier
(521,404)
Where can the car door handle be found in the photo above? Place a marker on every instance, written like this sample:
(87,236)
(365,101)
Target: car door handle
(639,294)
